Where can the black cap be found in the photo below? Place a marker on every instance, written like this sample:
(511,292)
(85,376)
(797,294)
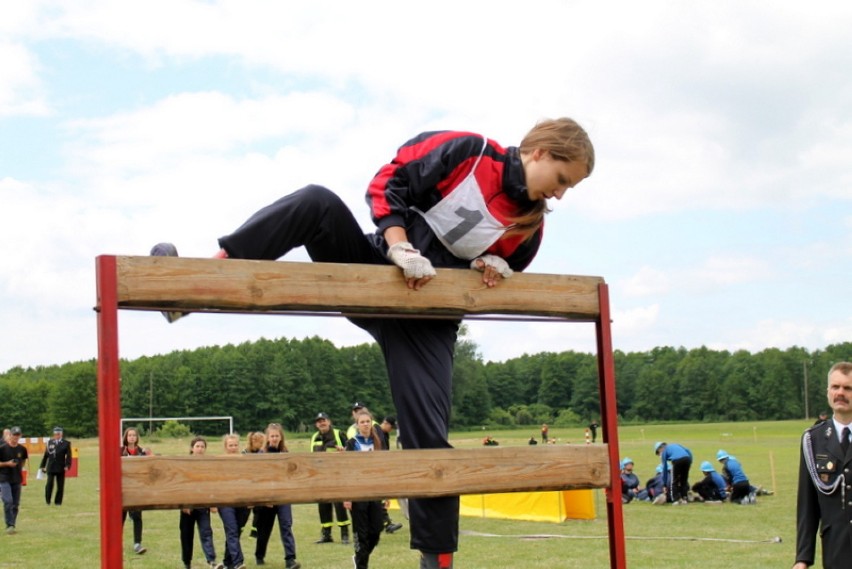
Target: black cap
(16,430)
(320,416)
(57,429)
(358,405)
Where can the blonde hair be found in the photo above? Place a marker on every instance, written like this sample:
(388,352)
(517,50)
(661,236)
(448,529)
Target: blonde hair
(564,140)
(843,367)
(255,441)
(230,437)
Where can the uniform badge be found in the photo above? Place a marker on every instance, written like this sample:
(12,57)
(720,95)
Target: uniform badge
(824,477)
(829,465)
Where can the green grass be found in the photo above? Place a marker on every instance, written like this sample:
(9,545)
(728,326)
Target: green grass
(657,536)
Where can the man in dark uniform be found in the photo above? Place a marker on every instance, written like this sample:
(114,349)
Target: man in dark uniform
(329,439)
(824,498)
(55,463)
(593,428)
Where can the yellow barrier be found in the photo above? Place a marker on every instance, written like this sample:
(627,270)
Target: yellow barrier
(553,507)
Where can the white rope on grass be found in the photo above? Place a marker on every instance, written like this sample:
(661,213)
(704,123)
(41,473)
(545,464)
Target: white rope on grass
(666,538)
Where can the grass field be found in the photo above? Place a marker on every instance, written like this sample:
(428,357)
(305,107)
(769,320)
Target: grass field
(658,537)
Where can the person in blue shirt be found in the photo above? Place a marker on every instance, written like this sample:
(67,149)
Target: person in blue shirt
(656,491)
(630,488)
(681,459)
(654,486)
(732,470)
(712,488)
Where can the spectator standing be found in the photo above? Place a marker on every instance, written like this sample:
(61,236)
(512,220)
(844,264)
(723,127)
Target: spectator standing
(368,517)
(386,427)
(357,407)
(233,518)
(131,447)
(13,458)
(266,515)
(681,459)
(545,431)
(822,504)
(593,428)
(255,444)
(55,463)
(192,517)
(329,439)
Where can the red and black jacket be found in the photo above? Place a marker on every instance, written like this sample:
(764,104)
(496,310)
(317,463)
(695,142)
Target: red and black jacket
(428,167)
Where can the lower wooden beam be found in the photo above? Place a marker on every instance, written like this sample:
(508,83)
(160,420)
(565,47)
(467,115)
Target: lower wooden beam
(185,481)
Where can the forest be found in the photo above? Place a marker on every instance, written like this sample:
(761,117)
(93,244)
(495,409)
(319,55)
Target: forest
(291,380)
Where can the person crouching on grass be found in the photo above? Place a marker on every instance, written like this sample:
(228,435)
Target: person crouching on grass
(368,518)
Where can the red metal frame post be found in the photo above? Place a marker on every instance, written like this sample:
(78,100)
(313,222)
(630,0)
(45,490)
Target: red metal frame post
(109,412)
(609,418)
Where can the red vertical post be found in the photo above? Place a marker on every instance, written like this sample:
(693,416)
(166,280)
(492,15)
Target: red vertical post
(609,418)
(109,412)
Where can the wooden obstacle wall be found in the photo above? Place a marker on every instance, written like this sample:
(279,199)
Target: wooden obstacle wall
(240,286)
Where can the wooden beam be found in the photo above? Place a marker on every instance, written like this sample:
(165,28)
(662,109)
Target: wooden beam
(186,481)
(207,285)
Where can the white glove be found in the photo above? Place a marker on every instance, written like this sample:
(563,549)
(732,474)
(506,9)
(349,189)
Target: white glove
(413,264)
(499,264)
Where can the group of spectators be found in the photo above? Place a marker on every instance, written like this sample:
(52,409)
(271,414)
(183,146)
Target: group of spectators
(670,483)
(369,519)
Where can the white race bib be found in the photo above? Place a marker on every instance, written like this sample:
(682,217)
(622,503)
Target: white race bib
(461,220)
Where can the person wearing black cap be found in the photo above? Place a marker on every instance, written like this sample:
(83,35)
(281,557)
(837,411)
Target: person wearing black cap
(329,439)
(55,463)
(13,456)
(353,428)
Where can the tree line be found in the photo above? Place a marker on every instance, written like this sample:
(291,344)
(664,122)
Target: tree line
(290,380)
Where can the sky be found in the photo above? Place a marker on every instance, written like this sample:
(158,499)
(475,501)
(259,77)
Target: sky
(719,211)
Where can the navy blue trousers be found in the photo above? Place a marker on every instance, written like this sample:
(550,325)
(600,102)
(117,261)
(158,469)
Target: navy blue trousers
(418,353)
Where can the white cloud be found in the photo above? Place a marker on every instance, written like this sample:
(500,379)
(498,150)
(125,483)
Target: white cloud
(648,281)
(20,87)
(716,272)
(723,108)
